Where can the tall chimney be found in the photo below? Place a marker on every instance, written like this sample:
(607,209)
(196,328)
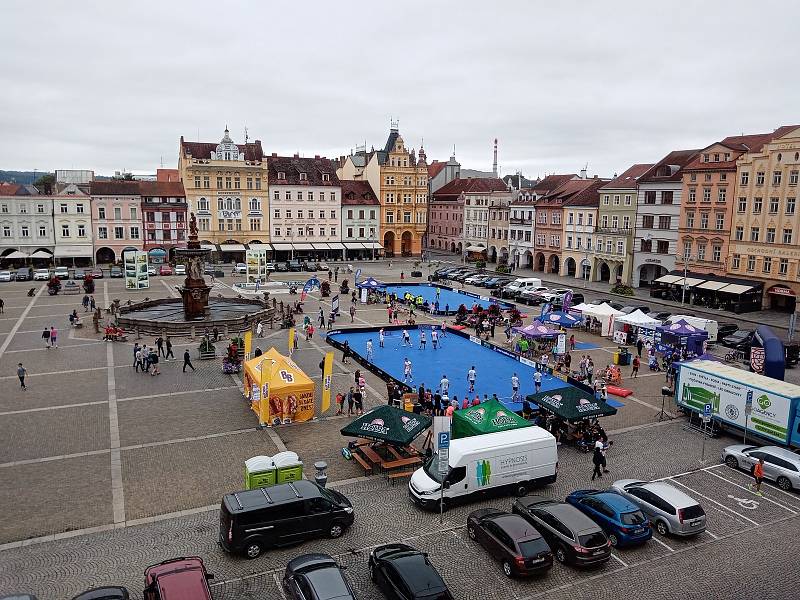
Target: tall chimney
(494,167)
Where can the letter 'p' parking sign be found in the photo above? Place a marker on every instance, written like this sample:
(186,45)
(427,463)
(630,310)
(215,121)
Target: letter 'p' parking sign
(444,439)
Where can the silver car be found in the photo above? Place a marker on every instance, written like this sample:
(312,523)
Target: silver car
(780,465)
(670,510)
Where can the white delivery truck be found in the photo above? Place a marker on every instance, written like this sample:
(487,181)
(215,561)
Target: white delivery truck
(519,285)
(511,461)
(709,325)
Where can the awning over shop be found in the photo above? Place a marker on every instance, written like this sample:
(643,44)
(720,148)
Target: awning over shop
(688,282)
(712,285)
(572,404)
(388,424)
(16,255)
(281,247)
(335,245)
(211,247)
(735,288)
(487,417)
(781,290)
(73,251)
(321,246)
(302,246)
(373,246)
(42,254)
(232,248)
(668,279)
(475,248)
(157,252)
(354,246)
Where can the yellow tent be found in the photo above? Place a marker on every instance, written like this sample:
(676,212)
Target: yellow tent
(278,390)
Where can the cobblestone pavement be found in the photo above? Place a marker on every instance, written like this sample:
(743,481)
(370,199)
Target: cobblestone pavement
(127,469)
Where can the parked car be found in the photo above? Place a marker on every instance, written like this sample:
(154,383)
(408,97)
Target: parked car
(496,282)
(463,275)
(115,271)
(165,270)
(577,298)
(104,593)
(551,295)
(624,522)
(180,270)
(574,538)
(240,268)
(670,510)
(254,520)
(509,538)
(178,579)
(41,275)
(79,274)
(726,329)
(404,573)
(62,273)
(270,266)
(533,296)
(310,266)
(662,316)
(629,309)
(215,270)
(23,274)
(477,278)
(738,339)
(316,577)
(282,267)
(5,276)
(97,273)
(780,465)
(294,266)
(321,266)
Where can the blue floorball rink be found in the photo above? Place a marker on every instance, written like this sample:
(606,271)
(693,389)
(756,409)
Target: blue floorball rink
(446,297)
(454,358)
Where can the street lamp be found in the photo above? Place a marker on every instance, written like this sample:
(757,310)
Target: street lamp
(686,258)
(291,243)
(372,243)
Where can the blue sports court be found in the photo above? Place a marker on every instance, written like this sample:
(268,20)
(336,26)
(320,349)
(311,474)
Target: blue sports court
(454,358)
(446,297)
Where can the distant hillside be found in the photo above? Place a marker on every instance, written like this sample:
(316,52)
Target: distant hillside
(24,177)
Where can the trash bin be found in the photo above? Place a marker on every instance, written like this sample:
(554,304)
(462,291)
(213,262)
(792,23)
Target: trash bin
(288,467)
(259,472)
(622,357)
(321,477)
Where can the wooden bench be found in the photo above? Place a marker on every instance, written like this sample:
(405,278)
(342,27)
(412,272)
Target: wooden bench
(367,467)
(397,475)
(401,463)
(371,455)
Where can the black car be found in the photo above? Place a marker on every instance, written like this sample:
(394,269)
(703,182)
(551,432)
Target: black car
(663,316)
(574,537)
(725,329)
(496,282)
(738,339)
(23,274)
(215,270)
(104,593)
(310,266)
(577,298)
(509,538)
(282,267)
(294,265)
(404,573)
(316,577)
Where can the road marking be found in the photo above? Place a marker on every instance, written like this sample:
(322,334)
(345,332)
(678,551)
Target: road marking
(117,488)
(716,537)
(33,461)
(619,560)
(794,512)
(170,289)
(46,408)
(166,394)
(767,483)
(663,544)
(715,502)
(18,324)
(278,584)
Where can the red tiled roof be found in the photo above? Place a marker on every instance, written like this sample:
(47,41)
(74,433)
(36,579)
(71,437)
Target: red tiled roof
(252,150)
(357,193)
(292,166)
(9,189)
(575,192)
(435,168)
(740,144)
(171,189)
(628,179)
(551,182)
(115,187)
(472,185)
(676,158)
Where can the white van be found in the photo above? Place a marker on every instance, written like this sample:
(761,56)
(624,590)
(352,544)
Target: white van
(516,287)
(708,325)
(512,461)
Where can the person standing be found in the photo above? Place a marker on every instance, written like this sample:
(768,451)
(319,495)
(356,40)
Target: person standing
(187,360)
(635,371)
(350,401)
(537,381)
(597,460)
(160,346)
(422,340)
(339,404)
(21,372)
(2,305)
(589,370)
(85,303)
(154,361)
(169,350)
(321,318)
(92,303)
(408,377)
(381,337)
(444,385)
(53,337)
(758,475)
(514,386)
(259,329)
(639,346)
(346,353)
(369,350)
(471,376)
(434,338)
(358,400)
(572,342)
(352,313)
(406,338)
(46,337)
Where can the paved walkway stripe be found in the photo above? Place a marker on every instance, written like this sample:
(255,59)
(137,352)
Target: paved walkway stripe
(655,539)
(189,439)
(117,487)
(46,408)
(48,349)
(166,394)
(33,461)
(21,318)
(619,560)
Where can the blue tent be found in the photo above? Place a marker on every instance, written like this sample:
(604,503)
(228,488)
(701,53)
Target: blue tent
(558,317)
(371,284)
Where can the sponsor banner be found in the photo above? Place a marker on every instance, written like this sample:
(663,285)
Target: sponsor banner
(256,261)
(136,265)
(527,361)
(475,340)
(327,374)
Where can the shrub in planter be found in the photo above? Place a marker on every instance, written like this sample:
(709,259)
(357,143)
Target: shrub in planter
(503,269)
(622,289)
(206,346)
(480,264)
(88,284)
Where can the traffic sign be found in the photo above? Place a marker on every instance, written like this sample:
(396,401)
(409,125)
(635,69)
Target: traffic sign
(444,460)
(443,440)
(707,410)
(748,404)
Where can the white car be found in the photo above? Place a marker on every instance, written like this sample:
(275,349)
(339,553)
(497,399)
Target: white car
(180,270)
(240,268)
(62,273)
(41,275)
(322,267)
(151,270)
(5,275)
(270,266)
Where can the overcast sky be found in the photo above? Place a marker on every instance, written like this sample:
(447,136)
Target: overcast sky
(113,85)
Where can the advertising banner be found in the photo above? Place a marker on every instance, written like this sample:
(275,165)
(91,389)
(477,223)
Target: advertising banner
(248,344)
(335,305)
(135,264)
(728,399)
(256,261)
(327,377)
(561,344)
(567,302)
(292,333)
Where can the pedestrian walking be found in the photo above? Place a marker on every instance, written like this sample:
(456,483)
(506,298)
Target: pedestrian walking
(572,342)
(639,346)
(444,385)
(187,360)
(758,475)
(352,313)
(597,461)
(408,377)
(21,372)
(381,337)
(135,354)
(53,337)
(169,349)
(259,329)
(2,305)
(92,304)
(85,303)
(153,357)
(321,318)
(160,346)
(537,381)
(471,376)
(346,353)
(350,401)
(46,337)
(635,371)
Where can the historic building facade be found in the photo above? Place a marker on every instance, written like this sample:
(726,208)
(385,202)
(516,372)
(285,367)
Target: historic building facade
(26,223)
(116,218)
(164,218)
(580,198)
(445,230)
(360,219)
(72,226)
(499,215)
(479,196)
(226,188)
(765,236)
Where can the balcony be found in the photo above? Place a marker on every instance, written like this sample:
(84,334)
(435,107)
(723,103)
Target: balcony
(514,221)
(613,231)
(714,264)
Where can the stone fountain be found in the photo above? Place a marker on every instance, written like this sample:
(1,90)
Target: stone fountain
(194,292)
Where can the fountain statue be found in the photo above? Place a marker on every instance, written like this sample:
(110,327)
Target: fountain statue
(194,292)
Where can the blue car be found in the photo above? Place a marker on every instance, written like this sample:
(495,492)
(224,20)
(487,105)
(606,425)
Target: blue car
(623,522)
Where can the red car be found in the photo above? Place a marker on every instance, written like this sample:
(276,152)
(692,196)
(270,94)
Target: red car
(178,578)
(165,270)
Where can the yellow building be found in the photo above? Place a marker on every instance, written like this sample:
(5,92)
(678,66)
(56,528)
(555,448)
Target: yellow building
(403,183)
(226,188)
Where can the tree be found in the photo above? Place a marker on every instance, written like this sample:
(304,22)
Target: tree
(46,183)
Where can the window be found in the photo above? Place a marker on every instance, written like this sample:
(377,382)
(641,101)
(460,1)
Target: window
(203,224)
(277,232)
(722,194)
(390,217)
(693,177)
(662,247)
(626,222)
(288,213)
(760,178)
(580,219)
(569,241)
(708,177)
(372,214)
(739,233)
(609,246)
(406,217)
(723,176)
(326,177)
(101,212)
(589,219)
(744,179)
(692,195)
(628,200)
(650,197)
(197,181)
(645,246)
(203,205)
(606,200)
(605,221)
(134,213)
(766,266)
(42,231)
(276,195)
(23,208)
(24,232)
(701,251)
(742,206)
(783,266)
(616,200)
(615,221)
(793,176)
(255,205)
(757,204)
(620,247)
(119,233)
(787,236)
(81,230)
(570,219)
(102,233)
(300,214)
(65,231)
(236,184)
(117,213)
(703,220)
(219,182)
(258,183)
(322,231)
(647,221)
(277,213)
(135,232)
(754,233)
(706,194)
(666,197)
(249,183)
(664,222)
(776,177)
(773,206)
(720,221)
(790,204)
(39,208)
(716,252)
(228,183)
(281,175)
(255,224)
(206,182)
(736,262)
(770,235)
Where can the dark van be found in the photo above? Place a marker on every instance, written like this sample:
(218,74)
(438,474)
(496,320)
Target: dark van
(253,520)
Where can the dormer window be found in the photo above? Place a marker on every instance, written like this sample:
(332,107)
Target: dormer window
(303,177)
(326,177)
(281,175)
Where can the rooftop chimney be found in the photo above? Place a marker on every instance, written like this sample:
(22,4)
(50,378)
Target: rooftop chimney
(494,168)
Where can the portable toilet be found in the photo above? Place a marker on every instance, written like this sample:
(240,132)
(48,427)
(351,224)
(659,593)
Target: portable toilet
(288,467)
(259,472)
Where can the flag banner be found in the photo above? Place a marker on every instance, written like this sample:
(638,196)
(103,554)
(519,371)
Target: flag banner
(327,377)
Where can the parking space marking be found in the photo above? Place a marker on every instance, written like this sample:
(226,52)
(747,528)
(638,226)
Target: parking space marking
(794,512)
(655,539)
(619,560)
(21,318)
(716,537)
(727,515)
(278,585)
(772,486)
(715,502)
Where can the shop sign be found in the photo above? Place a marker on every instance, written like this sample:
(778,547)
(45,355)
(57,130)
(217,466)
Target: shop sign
(780,290)
(653,260)
(229,214)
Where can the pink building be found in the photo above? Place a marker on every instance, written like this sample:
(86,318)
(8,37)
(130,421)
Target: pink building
(446,225)
(116,218)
